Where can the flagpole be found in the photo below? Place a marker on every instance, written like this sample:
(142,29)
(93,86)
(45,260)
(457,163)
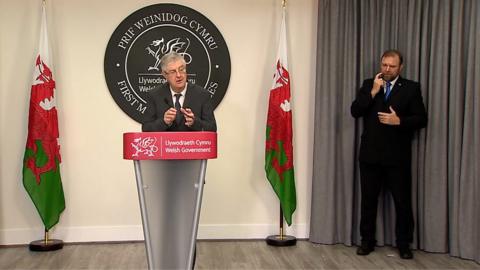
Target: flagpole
(281,240)
(45,244)
(281,224)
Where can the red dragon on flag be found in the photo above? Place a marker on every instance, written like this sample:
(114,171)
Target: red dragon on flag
(42,120)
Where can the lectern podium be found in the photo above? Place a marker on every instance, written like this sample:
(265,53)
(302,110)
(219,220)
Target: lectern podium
(170,173)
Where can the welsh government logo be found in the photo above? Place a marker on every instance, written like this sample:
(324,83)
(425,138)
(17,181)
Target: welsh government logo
(132,57)
(146,146)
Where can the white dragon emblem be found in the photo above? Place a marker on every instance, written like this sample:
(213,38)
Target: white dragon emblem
(145,146)
(160,47)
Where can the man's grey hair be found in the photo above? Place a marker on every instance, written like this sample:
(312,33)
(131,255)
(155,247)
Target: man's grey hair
(170,57)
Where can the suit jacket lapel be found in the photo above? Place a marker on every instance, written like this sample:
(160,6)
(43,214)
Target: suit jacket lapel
(188,97)
(167,95)
(397,87)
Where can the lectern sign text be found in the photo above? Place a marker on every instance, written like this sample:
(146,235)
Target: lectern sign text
(169,145)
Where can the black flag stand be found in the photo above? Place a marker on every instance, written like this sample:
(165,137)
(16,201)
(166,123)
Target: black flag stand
(281,240)
(46,244)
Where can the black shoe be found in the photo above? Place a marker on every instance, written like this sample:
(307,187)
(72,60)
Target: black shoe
(405,253)
(365,249)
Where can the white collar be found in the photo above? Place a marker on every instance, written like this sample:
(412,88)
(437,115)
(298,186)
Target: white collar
(392,82)
(182,93)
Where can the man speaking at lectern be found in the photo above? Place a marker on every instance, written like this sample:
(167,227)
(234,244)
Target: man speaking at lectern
(178,105)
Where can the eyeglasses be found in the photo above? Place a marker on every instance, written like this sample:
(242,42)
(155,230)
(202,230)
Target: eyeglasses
(181,70)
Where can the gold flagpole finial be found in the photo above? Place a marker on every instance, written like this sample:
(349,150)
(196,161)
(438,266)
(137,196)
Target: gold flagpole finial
(284,3)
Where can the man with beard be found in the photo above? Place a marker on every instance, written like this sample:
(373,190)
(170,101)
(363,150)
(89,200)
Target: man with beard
(392,109)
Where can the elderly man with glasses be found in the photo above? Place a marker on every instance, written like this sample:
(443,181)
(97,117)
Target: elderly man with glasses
(178,105)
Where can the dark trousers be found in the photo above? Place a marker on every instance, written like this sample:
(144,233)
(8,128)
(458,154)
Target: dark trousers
(397,180)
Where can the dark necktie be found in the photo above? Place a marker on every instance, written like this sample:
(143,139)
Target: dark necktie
(178,118)
(388,90)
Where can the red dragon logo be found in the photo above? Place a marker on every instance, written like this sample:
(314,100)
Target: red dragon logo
(42,120)
(280,122)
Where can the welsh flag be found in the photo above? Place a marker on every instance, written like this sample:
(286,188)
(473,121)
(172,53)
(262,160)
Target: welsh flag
(41,162)
(278,144)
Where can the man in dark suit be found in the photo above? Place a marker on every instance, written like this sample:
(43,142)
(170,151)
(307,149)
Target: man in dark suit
(178,105)
(392,109)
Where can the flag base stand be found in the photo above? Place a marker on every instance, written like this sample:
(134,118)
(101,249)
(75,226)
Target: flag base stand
(42,245)
(281,240)
(46,244)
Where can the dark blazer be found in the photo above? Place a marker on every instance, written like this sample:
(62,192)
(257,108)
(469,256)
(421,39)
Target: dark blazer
(197,99)
(385,144)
